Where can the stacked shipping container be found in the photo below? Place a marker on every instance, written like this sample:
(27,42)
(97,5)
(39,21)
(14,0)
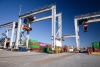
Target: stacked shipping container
(64,48)
(43,47)
(96,46)
(49,47)
(34,45)
(89,49)
(39,46)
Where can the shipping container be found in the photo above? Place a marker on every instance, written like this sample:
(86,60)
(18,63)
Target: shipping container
(89,49)
(96,49)
(44,50)
(33,46)
(70,50)
(49,46)
(43,47)
(36,49)
(69,47)
(95,44)
(22,48)
(99,44)
(64,48)
(48,50)
(42,44)
(33,43)
(40,50)
(74,49)
(30,40)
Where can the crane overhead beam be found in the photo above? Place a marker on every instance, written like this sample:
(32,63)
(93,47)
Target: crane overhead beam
(68,36)
(45,18)
(6,24)
(9,29)
(94,20)
(37,11)
(95,14)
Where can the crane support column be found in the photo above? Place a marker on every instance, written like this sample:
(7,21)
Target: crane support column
(60,25)
(77,34)
(53,27)
(12,34)
(18,33)
(27,39)
(5,38)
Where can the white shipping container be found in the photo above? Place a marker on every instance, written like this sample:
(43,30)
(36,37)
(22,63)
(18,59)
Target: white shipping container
(70,50)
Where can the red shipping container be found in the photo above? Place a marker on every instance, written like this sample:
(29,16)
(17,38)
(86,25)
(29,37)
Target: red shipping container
(89,49)
(40,50)
(75,49)
(96,50)
(49,46)
(66,48)
(62,48)
(36,49)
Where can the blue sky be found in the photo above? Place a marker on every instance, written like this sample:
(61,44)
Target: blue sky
(9,10)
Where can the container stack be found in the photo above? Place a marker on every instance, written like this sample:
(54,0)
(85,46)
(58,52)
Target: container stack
(39,46)
(96,46)
(95,49)
(49,47)
(70,48)
(64,48)
(99,45)
(89,49)
(22,48)
(74,49)
(43,47)
(34,45)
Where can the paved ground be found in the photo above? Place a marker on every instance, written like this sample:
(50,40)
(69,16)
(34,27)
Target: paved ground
(34,59)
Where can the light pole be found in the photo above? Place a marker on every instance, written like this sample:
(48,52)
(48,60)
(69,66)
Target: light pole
(20,9)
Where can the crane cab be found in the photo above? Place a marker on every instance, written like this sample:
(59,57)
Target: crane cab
(85,26)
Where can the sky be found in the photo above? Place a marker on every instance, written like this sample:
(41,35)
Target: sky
(41,31)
